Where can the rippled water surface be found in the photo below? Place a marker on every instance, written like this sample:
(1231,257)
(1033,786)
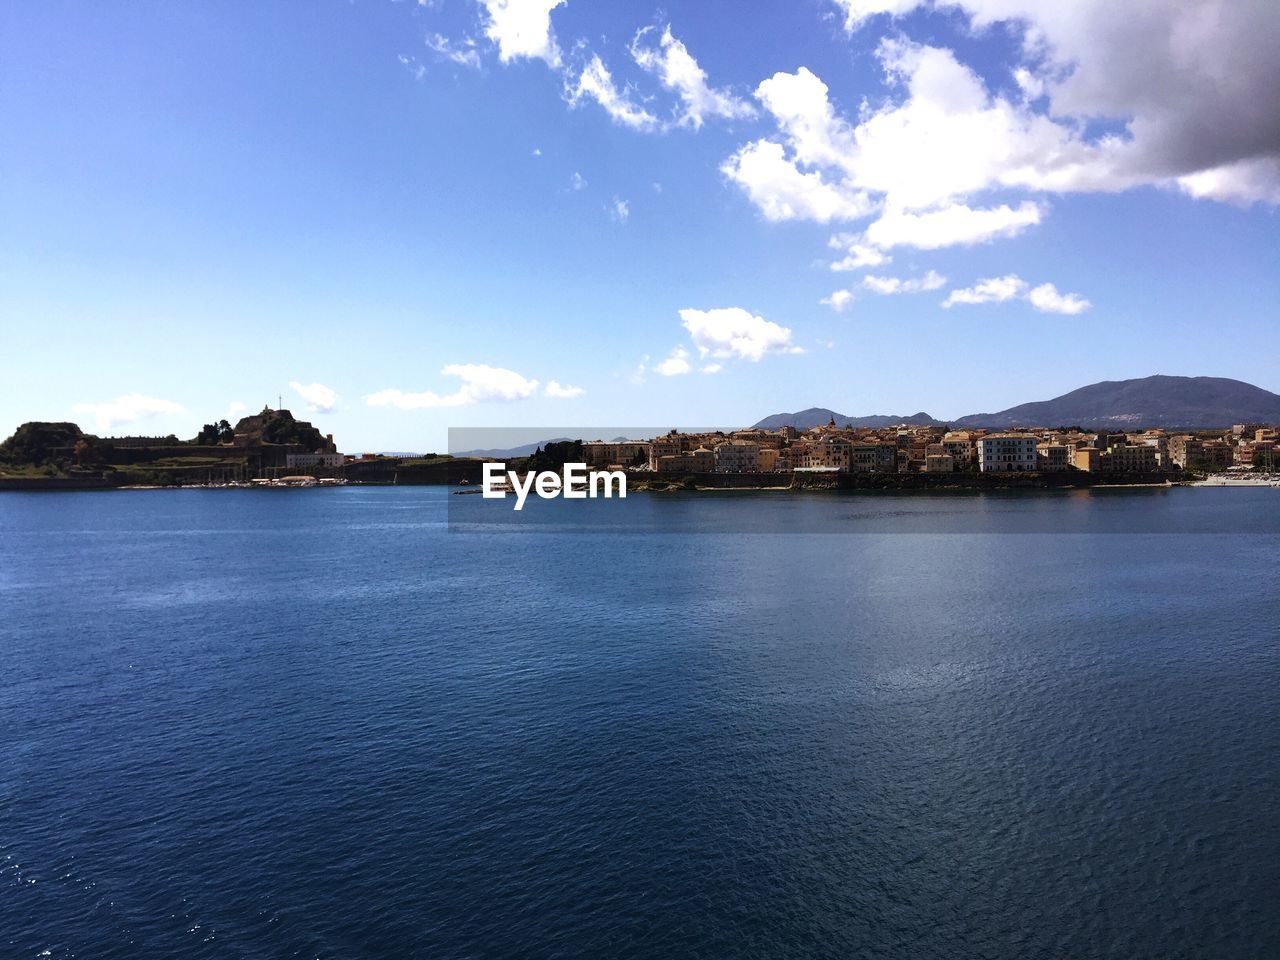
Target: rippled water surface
(318,724)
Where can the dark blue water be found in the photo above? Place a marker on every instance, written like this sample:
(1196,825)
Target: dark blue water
(316,724)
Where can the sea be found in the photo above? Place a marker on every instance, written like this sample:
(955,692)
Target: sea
(402,722)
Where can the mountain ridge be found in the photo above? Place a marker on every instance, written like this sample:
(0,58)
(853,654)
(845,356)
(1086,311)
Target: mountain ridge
(1159,400)
(819,416)
(1156,401)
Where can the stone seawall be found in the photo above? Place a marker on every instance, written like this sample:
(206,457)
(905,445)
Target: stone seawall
(60,483)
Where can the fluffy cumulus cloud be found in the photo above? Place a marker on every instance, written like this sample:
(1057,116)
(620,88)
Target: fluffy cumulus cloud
(734,332)
(675,365)
(1044,297)
(857,12)
(784,192)
(1101,96)
(953,224)
(130,408)
(1047,299)
(595,82)
(856,253)
(1192,82)
(991,290)
(840,300)
(522,29)
(679,72)
(480,384)
(318,397)
(562,391)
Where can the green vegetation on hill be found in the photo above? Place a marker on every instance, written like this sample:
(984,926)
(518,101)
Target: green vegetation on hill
(212,433)
(35,443)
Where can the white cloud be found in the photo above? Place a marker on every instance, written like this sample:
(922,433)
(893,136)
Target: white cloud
(711,368)
(1241,183)
(991,290)
(480,383)
(577,181)
(620,210)
(951,225)
(129,408)
(735,332)
(783,192)
(1047,299)
(677,364)
(858,12)
(678,71)
(522,28)
(596,83)
(319,398)
(890,285)
(798,102)
(839,300)
(1032,87)
(1191,83)
(565,392)
(465,55)
(857,254)
(1177,94)
(1044,297)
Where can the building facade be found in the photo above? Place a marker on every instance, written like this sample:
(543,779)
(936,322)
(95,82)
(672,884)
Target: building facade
(1007,452)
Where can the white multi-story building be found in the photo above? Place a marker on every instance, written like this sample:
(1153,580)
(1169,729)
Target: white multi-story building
(1002,452)
(313,459)
(737,456)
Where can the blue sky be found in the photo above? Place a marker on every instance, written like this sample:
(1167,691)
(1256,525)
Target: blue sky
(406,217)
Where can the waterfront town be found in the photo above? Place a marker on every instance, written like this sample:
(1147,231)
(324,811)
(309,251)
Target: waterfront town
(272,449)
(908,448)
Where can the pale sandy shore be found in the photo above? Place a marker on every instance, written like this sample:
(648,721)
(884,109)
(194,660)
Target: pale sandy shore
(1258,481)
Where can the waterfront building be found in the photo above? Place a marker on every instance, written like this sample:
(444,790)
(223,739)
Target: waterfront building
(1053,457)
(873,457)
(1088,458)
(318,459)
(700,460)
(737,456)
(830,451)
(1129,458)
(959,445)
(939,463)
(1005,452)
(604,453)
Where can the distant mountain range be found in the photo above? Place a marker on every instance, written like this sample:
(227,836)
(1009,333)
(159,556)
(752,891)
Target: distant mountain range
(820,416)
(1158,401)
(524,450)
